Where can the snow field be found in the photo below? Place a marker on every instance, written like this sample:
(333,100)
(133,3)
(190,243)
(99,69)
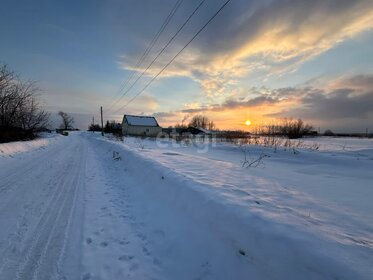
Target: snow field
(86,207)
(233,239)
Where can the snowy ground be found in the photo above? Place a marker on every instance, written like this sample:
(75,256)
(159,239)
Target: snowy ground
(84,207)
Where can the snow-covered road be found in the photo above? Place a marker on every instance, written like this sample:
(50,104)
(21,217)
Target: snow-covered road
(39,211)
(85,207)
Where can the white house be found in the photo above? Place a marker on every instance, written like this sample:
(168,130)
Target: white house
(140,126)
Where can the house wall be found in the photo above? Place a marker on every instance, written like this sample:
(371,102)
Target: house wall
(141,130)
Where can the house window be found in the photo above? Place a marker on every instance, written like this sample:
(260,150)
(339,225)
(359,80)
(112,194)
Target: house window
(147,130)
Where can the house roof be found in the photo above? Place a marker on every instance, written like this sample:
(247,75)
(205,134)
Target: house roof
(141,120)
(203,130)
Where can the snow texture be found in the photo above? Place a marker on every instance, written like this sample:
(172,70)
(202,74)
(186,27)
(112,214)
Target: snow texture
(88,207)
(9,149)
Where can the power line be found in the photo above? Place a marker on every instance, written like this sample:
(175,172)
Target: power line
(156,37)
(163,49)
(175,8)
(150,46)
(160,72)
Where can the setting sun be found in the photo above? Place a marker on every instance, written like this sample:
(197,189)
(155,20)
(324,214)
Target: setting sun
(248,122)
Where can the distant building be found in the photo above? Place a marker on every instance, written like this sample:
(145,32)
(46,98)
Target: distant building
(188,131)
(200,131)
(140,126)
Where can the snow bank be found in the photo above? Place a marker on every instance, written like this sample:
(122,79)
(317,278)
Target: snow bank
(12,148)
(225,222)
(338,177)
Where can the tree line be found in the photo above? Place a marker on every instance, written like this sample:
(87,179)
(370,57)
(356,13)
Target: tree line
(110,127)
(21,112)
(288,127)
(198,121)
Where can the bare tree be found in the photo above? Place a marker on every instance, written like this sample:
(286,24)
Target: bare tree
(210,125)
(295,128)
(202,121)
(291,128)
(67,120)
(21,113)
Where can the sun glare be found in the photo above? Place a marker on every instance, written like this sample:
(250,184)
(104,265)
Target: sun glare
(248,122)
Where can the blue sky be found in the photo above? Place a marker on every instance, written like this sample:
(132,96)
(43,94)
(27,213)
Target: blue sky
(80,52)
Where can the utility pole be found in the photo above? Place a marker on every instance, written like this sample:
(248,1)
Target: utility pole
(93,124)
(102,123)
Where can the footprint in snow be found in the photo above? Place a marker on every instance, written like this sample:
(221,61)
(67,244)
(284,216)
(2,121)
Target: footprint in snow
(104,244)
(146,251)
(141,236)
(88,240)
(126,258)
(124,242)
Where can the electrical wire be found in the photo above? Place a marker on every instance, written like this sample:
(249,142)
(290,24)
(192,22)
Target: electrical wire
(149,48)
(163,49)
(160,72)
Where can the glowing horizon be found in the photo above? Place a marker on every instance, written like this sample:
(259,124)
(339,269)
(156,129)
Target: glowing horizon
(257,60)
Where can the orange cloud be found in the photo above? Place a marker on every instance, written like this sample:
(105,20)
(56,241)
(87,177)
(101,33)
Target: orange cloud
(273,39)
(330,104)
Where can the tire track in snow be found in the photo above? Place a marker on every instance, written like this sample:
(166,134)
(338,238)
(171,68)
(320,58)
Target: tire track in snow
(21,203)
(40,259)
(12,174)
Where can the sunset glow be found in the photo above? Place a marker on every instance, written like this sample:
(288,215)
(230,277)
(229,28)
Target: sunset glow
(300,59)
(198,139)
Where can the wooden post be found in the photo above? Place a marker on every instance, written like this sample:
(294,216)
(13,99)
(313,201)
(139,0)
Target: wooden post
(93,124)
(102,123)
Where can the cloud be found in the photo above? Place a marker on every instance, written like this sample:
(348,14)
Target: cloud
(170,118)
(345,98)
(358,83)
(337,104)
(231,104)
(143,105)
(261,37)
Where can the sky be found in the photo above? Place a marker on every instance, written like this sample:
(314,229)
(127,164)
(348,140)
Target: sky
(256,60)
